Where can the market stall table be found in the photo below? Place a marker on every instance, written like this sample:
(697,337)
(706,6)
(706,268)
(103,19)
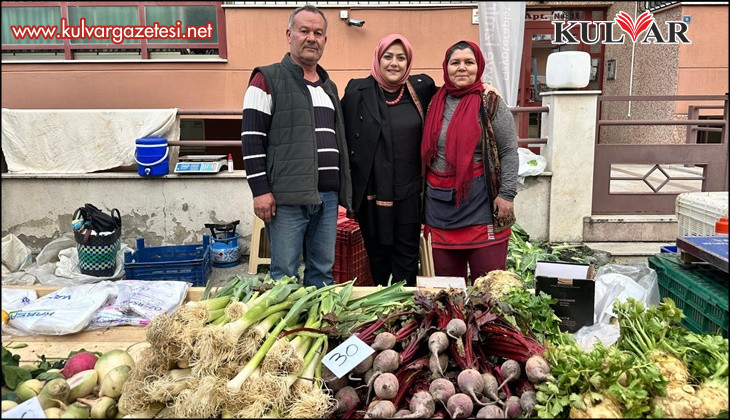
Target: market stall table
(124,337)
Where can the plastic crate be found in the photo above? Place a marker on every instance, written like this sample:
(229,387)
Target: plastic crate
(190,263)
(670,249)
(351,259)
(701,293)
(697,212)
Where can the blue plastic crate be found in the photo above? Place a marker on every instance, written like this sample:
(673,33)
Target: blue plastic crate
(669,249)
(190,263)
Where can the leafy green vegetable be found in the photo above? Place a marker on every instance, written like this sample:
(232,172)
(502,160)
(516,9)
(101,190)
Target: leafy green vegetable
(532,313)
(13,375)
(523,255)
(603,372)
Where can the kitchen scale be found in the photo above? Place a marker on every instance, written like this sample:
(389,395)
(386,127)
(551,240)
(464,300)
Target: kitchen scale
(200,164)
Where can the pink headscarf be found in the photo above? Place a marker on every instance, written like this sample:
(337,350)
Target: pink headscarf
(380,50)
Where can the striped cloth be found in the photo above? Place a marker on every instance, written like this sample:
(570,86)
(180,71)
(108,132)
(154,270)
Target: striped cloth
(257,105)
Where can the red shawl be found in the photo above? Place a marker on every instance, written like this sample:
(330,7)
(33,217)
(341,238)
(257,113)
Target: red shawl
(464,129)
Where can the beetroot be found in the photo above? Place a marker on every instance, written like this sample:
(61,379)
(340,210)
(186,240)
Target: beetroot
(347,399)
(456,328)
(537,369)
(386,386)
(470,383)
(512,407)
(438,364)
(438,342)
(490,411)
(382,409)
(441,389)
(387,361)
(402,413)
(422,406)
(363,366)
(384,341)
(528,400)
(79,362)
(511,371)
(490,387)
(459,406)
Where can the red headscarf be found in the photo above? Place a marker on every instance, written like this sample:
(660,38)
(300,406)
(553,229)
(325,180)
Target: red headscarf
(464,129)
(383,45)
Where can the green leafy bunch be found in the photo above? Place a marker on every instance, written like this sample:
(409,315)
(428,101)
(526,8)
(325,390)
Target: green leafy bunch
(523,255)
(532,313)
(604,372)
(644,330)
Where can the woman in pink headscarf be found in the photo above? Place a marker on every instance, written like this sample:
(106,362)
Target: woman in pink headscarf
(384,116)
(470,161)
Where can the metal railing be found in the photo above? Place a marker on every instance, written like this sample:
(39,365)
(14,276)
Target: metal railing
(652,164)
(521,141)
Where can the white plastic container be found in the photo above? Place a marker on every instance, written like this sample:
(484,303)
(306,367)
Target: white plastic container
(697,212)
(568,69)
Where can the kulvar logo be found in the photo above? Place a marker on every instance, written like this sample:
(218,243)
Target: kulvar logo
(592,32)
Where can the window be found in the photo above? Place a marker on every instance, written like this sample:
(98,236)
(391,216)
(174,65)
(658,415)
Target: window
(112,31)
(707,134)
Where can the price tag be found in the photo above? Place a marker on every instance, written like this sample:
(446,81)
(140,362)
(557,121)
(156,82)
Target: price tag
(343,358)
(441,282)
(29,409)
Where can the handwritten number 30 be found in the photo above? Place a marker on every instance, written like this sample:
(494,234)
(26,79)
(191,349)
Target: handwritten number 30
(350,351)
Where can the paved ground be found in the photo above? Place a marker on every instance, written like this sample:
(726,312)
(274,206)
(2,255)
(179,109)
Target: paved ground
(220,275)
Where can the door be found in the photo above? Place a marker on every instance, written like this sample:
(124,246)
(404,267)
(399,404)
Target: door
(537,46)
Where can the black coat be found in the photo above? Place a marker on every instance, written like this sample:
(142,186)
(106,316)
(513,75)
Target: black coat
(362,125)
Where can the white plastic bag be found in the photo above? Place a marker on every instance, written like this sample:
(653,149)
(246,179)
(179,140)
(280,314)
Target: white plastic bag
(16,258)
(65,311)
(13,299)
(588,336)
(17,298)
(616,281)
(531,164)
(140,301)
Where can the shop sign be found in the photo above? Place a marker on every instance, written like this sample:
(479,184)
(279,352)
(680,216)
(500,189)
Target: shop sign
(545,15)
(609,32)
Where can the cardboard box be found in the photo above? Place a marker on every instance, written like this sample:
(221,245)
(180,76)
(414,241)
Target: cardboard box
(572,285)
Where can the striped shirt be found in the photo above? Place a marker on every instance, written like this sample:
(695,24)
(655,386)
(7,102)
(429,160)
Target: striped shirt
(257,107)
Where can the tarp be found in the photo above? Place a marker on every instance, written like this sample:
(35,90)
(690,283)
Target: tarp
(80,140)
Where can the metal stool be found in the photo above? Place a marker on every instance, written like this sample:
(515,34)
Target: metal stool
(425,255)
(260,252)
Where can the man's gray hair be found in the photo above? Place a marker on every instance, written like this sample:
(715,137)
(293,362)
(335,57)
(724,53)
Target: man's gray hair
(306,8)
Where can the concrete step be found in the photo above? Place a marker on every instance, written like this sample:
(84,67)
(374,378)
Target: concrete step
(626,253)
(630,228)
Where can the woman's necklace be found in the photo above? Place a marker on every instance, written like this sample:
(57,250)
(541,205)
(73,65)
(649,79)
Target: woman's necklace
(396,100)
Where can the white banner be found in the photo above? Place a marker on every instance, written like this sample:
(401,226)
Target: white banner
(501,32)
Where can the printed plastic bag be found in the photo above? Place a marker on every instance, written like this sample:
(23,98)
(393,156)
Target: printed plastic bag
(531,164)
(140,301)
(65,311)
(13,299)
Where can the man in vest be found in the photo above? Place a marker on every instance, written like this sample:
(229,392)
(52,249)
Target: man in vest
(295,154)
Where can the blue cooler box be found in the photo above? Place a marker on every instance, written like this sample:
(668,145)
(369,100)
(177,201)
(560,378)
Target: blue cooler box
(152,156)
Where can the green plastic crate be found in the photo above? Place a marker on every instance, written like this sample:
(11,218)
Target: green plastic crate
(701,293)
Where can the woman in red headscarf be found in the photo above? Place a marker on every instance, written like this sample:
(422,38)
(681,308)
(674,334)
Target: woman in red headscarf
(383,115)
(469,157)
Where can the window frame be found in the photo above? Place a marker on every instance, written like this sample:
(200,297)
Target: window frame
(142,46)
